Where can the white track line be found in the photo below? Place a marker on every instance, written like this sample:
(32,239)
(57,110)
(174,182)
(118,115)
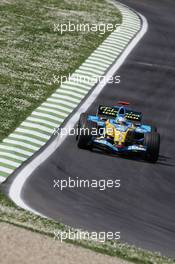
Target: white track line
(49,116)
(33,133)
(73,93)
(57,101)
(14,142)
(24,174)
(13,156)
(29,125)
(57,108)
(51,111)
(2,179)
(17,150)
(43,121)
(66,97)
(6,170)
(18,137)
(74,89)
(10,162)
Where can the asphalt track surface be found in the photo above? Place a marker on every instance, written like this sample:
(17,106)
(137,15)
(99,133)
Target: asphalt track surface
(143,210)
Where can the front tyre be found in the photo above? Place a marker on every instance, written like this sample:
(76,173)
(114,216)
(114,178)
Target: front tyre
(85,131)
(152,142)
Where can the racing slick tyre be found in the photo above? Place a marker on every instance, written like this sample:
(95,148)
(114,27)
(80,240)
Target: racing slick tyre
(85,128)
(152,142)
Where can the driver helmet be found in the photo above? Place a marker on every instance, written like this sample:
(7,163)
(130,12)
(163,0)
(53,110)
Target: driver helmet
(121,120)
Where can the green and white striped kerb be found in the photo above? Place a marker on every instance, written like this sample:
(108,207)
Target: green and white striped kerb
(36,130)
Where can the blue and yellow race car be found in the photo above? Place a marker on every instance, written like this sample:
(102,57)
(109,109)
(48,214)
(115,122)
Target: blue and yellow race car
(119,130)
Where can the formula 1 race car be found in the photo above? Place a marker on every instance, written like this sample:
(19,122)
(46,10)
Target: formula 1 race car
(119,130)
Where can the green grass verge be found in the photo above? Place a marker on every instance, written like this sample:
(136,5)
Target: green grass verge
(9,213)
(33,52)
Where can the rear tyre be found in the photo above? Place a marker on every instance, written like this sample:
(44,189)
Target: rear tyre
(152,142)
(85,132)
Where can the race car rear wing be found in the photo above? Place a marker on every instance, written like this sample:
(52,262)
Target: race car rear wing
(112,112)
